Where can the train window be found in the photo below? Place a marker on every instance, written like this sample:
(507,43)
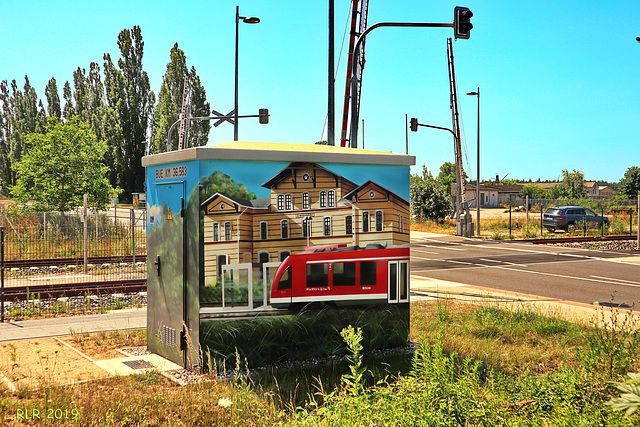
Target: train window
(285,280)
(317,275)
(368,273)
(344,274)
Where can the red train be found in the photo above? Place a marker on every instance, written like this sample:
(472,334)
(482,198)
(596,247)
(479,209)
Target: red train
(345,276)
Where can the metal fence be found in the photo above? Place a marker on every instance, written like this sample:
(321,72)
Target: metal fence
(81,249)
(622,215)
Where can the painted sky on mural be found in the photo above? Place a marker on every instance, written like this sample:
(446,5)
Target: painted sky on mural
(558,80)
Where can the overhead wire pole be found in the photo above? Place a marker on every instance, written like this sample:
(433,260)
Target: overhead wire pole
(361,38)
(331,119)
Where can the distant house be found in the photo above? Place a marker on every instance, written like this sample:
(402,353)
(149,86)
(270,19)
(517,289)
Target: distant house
(606,191)
(491,196)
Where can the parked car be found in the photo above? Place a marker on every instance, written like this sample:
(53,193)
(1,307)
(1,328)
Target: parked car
(569,218)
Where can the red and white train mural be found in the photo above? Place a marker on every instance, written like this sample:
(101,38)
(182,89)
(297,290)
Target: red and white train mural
(346,276)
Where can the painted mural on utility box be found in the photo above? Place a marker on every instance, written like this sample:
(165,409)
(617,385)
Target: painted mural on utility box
(321,230)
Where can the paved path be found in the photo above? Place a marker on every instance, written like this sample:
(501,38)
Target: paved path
(59,326)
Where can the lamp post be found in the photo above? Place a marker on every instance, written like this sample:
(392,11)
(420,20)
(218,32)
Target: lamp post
(478,183)
(248,20)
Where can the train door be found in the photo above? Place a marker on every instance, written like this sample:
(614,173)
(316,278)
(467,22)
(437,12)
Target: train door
(398,281)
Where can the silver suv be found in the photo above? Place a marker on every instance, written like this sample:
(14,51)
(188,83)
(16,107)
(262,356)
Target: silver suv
(569,218)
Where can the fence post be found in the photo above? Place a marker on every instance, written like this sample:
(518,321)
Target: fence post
(2,273)
(509,220)
(133,235)
(526,222)
(630,221)
(638,241)
(85,235)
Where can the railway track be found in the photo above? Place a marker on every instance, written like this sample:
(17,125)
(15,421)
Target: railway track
(22,263)
(579,239)
(75,289)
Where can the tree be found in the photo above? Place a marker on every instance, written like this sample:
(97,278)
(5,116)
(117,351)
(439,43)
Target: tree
(630,182)
(447,175)
(170,103)
(61,166)
(534,191)
(571,187)
(129,94)
(53,98)
(429,198)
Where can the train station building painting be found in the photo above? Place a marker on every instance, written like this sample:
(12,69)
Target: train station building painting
(309,205)
(222,219)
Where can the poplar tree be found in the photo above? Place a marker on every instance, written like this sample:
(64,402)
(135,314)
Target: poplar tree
(170,103)
(128,93)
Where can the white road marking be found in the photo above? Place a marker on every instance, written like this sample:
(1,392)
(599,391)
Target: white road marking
(438,247)
(617,280)
(423,251)
(502,262)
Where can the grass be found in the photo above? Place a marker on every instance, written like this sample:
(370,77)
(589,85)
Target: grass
(483,364)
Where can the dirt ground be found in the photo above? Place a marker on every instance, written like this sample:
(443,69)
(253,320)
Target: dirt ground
(65,360)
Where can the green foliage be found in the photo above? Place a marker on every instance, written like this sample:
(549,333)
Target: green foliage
(429,200)
(60,166)
(629,399)
(353,380)
(167,110)
(534,191)
(630,182)
(572,186)
(614,342)
(219,182)
(447,175)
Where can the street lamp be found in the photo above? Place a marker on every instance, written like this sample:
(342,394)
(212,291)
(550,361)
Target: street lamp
(478,183)
(248,20)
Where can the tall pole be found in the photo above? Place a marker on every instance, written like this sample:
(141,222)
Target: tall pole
(331,120)
(478,181)
(235,103)
(478,178)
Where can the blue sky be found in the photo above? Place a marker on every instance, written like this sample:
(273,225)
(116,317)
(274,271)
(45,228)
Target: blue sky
(559,81)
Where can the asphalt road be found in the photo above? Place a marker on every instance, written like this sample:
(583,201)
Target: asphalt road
(570,274)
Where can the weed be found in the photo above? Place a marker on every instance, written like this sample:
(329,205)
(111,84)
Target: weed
(353,380)
(613,342)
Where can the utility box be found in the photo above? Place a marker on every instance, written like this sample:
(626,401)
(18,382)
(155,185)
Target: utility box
(223,220)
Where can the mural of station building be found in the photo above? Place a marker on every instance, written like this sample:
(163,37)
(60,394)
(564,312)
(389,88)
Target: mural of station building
(309,205)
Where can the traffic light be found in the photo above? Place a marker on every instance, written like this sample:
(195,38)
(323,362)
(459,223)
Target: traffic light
(414,124)
(263,114)
(461,22)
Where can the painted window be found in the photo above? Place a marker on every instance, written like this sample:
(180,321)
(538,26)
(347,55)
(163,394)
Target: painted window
(306,227)
(326,226)
(368,273)
(378,220)
(284,229)
(288,202)
(264,235)
(283,255)
(221,260)
(280,199)
(348,224)
(323,199)
(344,274)
(306,202)
(365,222)
(263,257)
(227,230)
(216,231)
(317,275)
(332,198)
